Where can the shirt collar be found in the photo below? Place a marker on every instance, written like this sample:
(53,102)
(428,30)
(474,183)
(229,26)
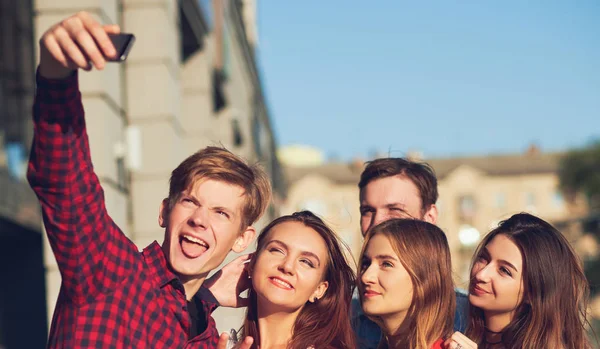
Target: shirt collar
(157,263)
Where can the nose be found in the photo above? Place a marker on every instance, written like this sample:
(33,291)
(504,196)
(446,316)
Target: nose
(483,274)
(366,224)
(286,266)
(378,217)
(368,275)
(198,218)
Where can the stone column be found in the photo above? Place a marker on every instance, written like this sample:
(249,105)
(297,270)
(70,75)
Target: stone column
(153,96)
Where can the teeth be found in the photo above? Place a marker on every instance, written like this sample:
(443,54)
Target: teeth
(282,283)
(195,240)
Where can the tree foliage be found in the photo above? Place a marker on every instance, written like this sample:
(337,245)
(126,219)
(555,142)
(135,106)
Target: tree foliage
(579,172)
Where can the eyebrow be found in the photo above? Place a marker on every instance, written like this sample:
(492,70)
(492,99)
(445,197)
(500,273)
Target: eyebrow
(391,205)
(382,257)
(395,205)
(508,264)
(221,208)
(193,197)
(486,252)
(303,253)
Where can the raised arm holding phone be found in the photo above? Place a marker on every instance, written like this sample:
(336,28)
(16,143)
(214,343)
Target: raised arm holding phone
(113,296)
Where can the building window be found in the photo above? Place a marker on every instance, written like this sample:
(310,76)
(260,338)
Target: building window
(122,175)
(226,52)
(17,77)
(238,138)
(315,206)
(207,11)
(258,134)
(467,207)
(558,200)
(347,237)
(500,200)
(530,200)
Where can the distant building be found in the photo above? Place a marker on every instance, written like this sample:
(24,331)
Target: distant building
(476,193)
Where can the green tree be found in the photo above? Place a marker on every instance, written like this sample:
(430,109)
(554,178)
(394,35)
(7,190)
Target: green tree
(579,172)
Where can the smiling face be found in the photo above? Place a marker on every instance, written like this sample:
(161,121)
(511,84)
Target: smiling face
(496,278)
(202,227)
(289,270)
(386,289)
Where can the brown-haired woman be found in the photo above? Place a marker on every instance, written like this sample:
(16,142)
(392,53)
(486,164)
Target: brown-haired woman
(301,287)
(527,288)
(405,284)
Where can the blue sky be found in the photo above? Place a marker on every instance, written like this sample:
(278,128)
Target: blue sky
(477,77)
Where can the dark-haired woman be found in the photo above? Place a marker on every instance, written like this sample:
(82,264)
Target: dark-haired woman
(527,289)
(301,287)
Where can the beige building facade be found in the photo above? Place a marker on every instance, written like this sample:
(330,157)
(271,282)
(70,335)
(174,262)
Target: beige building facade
(191,80)
(475,194)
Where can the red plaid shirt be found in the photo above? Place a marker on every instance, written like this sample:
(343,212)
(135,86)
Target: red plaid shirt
(111,296)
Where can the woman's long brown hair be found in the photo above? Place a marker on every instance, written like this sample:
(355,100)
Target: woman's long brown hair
(326,322)
(553,311)
(423,250)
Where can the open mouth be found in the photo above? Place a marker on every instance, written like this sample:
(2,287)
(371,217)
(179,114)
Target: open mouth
(191,246)
(281,283)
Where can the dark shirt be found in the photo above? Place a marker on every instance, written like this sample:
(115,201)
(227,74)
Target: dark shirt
(198,316)
(111,295)
(368,333)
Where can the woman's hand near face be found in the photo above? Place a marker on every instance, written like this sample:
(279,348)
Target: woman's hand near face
(459,341)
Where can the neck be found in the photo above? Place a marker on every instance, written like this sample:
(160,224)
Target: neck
(191,285)
(275,326)
(395,329)
(495,324)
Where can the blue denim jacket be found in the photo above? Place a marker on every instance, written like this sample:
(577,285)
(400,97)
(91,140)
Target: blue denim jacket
(369,334)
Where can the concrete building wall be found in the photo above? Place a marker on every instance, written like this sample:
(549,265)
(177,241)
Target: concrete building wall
(153,93)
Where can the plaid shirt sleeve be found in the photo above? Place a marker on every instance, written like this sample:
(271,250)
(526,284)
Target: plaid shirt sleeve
(92,253)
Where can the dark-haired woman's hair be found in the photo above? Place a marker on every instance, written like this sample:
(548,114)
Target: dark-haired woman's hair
(326,322)
(423,250)
(553,311)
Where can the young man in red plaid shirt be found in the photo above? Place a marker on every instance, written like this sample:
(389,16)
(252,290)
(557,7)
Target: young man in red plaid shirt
(113,296)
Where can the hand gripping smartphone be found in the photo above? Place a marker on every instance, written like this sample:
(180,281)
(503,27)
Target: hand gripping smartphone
(123,43)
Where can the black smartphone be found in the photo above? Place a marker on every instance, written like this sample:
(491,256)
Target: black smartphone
(123,43)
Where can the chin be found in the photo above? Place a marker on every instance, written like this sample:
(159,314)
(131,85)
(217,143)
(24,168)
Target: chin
(371,310)
(477,302)
(187,268)
(276,301)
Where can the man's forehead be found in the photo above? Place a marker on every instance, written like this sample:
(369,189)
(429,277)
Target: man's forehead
(217,191)
(390,190)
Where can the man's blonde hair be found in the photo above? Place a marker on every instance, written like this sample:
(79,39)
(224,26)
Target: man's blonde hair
(220,164)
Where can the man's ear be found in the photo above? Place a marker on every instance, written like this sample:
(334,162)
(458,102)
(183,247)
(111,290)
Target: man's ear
(244,240)
(431,215)
(319,292)
(163,213)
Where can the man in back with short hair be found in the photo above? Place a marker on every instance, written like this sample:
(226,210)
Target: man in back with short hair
(397,188)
